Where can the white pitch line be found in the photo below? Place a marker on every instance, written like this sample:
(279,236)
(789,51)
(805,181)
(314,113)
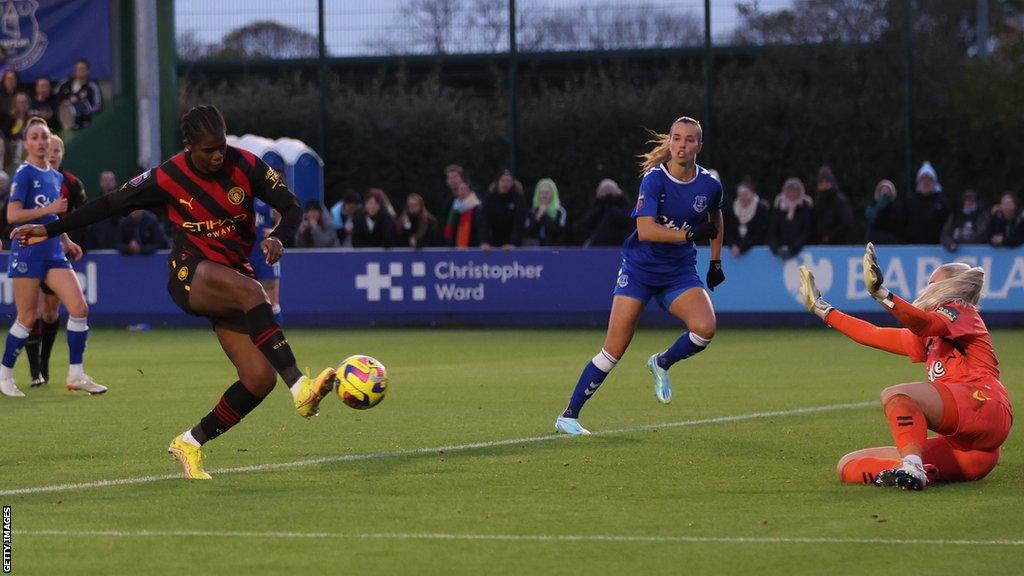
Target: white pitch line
(514,537)
(415,451)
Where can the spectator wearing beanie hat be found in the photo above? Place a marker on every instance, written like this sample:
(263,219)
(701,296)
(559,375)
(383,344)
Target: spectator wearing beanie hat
(926,208)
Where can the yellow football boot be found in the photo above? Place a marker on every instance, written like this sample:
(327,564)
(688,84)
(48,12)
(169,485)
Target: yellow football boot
(311,392)
(191,458)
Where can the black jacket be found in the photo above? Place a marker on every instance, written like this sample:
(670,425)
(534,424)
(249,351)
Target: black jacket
(502,218)
(887,220)
(788,237)
(89,100)
(608,221)
(833,218)
(547,231)
(1012,229)
(382,235)
(146,231)
(757,228)
(925,217)
(430,236)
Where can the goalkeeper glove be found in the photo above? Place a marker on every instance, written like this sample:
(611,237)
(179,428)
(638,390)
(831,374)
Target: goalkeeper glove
(811,297)
(873,278)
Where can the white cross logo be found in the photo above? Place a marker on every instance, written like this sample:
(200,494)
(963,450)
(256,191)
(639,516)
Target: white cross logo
(375,282)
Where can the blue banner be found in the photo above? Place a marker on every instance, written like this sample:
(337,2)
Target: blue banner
(45,37)
(532,286)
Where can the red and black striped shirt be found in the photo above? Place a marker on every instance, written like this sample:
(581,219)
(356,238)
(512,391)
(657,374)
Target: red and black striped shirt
(71,189)
(212,213)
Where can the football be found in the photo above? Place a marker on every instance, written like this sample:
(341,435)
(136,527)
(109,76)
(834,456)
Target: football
(362,382)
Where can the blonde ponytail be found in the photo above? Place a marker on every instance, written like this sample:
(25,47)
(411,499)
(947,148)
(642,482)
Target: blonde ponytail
(962,284)
(661,153)
(657,155)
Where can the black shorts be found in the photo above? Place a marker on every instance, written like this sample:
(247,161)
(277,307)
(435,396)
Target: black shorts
(46,289)
(179,284)
(183,269)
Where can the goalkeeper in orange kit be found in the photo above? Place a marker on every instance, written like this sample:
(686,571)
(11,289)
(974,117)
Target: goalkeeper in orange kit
(963,401)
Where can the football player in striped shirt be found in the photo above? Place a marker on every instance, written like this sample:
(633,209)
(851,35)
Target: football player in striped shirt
(208,192)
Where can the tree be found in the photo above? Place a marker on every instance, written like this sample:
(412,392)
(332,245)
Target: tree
(812,22)
(468,26)
(608,26)
(267,39)
(190,47)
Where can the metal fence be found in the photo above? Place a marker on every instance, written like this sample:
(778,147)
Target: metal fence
(352,28)
(508,44)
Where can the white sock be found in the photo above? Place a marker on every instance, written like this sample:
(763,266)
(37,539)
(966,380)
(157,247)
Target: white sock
(19,331)
(75,371)
(189,438)
(914,459)
(604,361)
(295,388)
(6,373)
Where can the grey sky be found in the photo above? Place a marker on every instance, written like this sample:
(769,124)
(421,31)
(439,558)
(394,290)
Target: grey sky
(351,24)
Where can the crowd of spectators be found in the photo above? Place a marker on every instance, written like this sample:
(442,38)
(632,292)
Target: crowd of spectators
(796,219)
(66,106)
(505,217)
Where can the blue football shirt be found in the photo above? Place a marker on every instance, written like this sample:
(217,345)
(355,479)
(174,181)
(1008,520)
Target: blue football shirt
(264,218)
(677,205)
(36,188)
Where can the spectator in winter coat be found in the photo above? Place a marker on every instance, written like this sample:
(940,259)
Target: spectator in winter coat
(316,229)
(926,208)
(608,222)
(747,220)
(81,97)
(416,227)
(792,220)
(374,225)
(461,229)
(342,213)
(546,223)
(140,233)
(886,215)
(503,214)
(45,104)
(1006,227)
(968,225)
(833,218)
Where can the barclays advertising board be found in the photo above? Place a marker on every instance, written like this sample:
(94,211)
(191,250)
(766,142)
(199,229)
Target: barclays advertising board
(531,286)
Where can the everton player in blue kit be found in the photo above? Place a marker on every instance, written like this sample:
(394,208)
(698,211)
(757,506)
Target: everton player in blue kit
(36,198)
(269,275)
(679,204)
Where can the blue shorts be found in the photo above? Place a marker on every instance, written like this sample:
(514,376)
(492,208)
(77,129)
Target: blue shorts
(34,268)
(261,269)
(628,284)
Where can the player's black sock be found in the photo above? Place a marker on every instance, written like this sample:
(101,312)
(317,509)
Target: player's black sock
(267,335)
(46,346)
(32,348)
(234,404)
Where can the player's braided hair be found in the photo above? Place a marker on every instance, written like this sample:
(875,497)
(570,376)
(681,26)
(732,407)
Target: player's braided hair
(200,120)
(660,153)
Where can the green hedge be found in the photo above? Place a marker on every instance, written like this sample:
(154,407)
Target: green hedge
(775,115)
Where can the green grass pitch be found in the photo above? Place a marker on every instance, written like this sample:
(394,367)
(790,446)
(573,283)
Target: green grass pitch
(753,494)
